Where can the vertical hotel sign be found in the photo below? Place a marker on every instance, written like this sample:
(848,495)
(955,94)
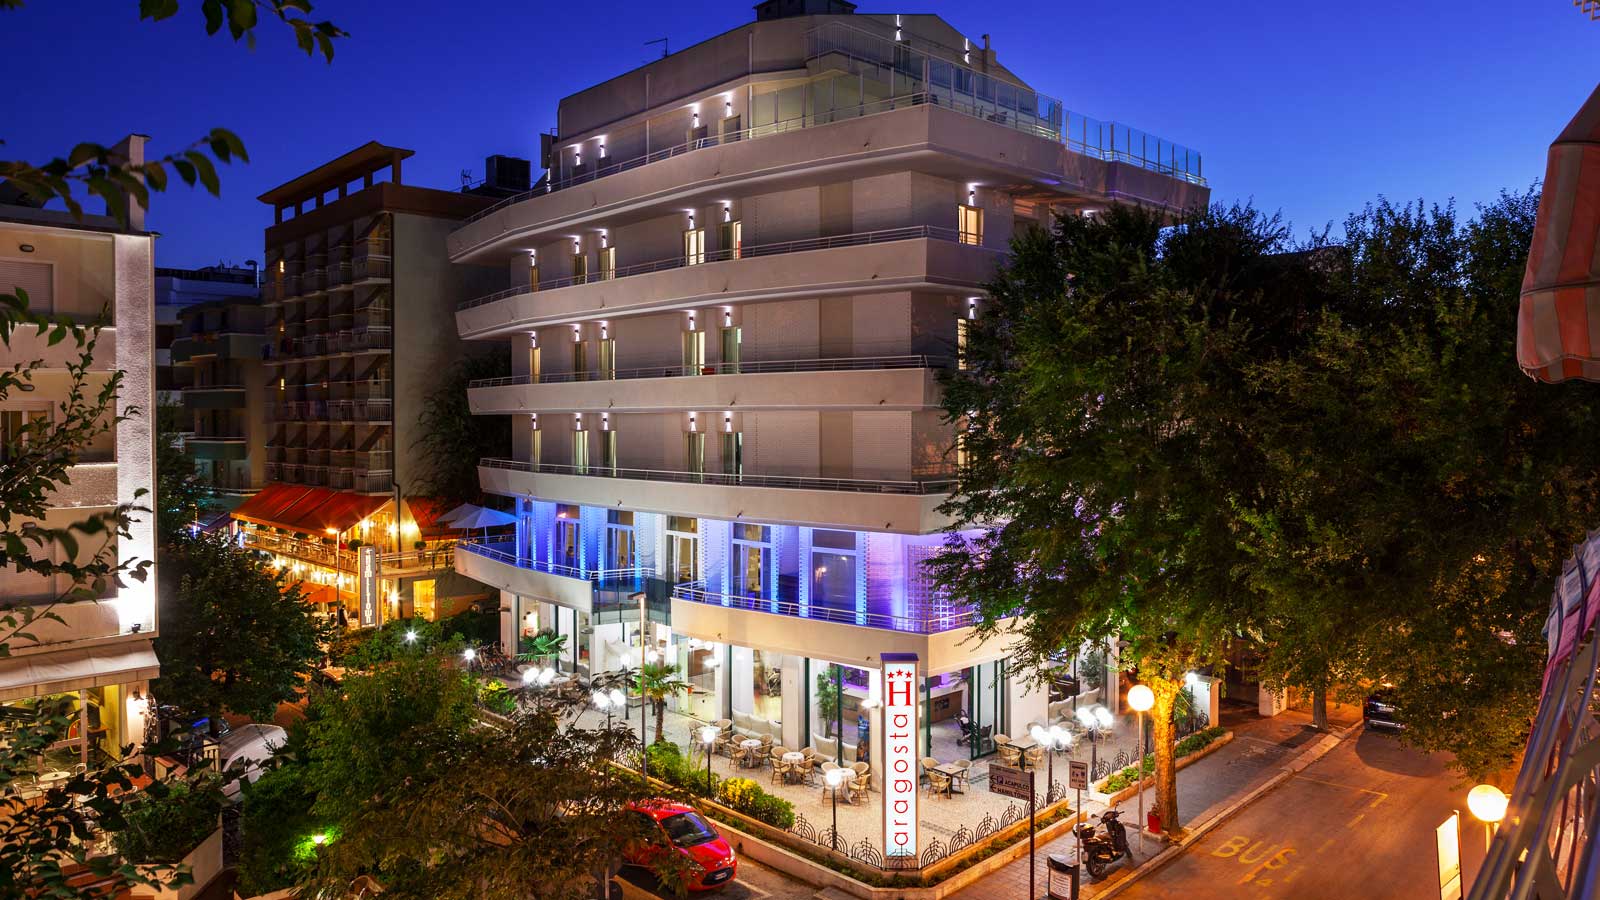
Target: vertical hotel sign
(900,680)
(367,575)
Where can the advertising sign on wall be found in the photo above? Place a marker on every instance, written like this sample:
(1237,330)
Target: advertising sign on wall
(900,681)
(367,576)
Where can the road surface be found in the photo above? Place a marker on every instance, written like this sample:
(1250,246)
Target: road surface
(755,882)
(1358,822)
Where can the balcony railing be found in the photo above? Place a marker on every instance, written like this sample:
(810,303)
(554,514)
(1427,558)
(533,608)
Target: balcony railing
(219,434)
(339,274)
(945,84)
(311,282)
(495,550)
(695,592)
(754,367)
(201,388)
(367,268)
(887,235)
(918,487)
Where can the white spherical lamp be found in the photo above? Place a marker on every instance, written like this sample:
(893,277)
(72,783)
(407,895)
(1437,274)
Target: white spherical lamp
(1487,802)
(1141,698)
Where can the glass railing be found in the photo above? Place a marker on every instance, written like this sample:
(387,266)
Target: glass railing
(505,552)
(751,367)
(788,603)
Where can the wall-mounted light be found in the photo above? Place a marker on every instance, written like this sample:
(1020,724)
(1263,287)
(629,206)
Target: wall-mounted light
(604,331)
(577,246)
(605,421)
(727,212)
(690,214)
(25,248)
(727,317)
(691,320)
(727,422)
(602,148)
(727,105)
(692,424)
(898,35)
(972,307)
(577,333)
(533,421)
(972,195)
(577,421)
(966,51)
(533,257)
(694,118)
(577,156)
(605,239)
(533,340)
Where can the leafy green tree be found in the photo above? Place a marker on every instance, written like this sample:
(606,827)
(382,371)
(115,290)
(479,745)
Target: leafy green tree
(235,635)
(279,831)
(452,439)
(1422,493)
(434,803)
(828,699)
(101,172)
(179,493)
(166,828)
(658,683)
(1099,409)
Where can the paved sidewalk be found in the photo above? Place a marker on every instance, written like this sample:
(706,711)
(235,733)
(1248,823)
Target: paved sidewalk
(1259,749)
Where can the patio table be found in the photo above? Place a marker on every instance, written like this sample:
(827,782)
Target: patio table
(1024,745)
(793,759)
(954,772)
(751,760)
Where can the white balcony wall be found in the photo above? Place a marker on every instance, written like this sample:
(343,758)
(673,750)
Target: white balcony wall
(786,329)
(78,269)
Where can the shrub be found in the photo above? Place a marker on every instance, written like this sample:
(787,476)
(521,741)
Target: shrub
(277,831)
(1191,744)
(745,796)
(165,827)
(496,697)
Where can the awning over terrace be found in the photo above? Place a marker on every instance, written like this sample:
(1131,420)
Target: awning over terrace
(308,510)
(1558,329)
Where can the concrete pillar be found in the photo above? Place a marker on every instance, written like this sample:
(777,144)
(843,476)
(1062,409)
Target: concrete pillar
(794,702)
(742,680)
(1208,692)
(1271,703)
(508,621)
(1113,685)
(1028,702)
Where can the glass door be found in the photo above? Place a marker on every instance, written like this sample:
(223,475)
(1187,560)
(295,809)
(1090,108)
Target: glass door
(580,452)
(986,705)
(694,352)
(683,549)
(733,453)
(732,339)
(694,453)
(752,560)
(533,364)
(608,359)
(619,540)
(580,361)
(566,549)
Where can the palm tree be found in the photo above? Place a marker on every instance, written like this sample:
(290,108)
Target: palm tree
(658,682)
(542,646)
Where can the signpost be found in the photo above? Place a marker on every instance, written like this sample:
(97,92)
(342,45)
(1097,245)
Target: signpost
(900,681)
(1010,781)
(1078,780)
(367,582)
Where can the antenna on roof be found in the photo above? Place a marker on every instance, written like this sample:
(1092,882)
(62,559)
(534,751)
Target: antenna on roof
(466,178)
(665,47)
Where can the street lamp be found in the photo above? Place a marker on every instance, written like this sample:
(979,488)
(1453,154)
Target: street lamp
(1487,803)
(411,636)
(835,778)
(609,700)
(468,655)
(708,736)
(1095,720)
(1053,739)
(1141,698)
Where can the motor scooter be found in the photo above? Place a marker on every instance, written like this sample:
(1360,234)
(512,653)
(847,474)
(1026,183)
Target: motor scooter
(1102,848)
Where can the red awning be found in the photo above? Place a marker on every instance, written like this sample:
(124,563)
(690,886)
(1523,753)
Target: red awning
(267,505)
(291,516)
(341,512)
(1558,328)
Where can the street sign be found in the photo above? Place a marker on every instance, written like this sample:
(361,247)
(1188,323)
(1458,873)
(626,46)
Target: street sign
(901,682)
(1078,775)
(1010,781)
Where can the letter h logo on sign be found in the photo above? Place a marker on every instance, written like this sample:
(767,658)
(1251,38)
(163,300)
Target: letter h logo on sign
(900,680)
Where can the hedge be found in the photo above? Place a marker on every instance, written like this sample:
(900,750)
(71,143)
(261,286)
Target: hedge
(740,794)
(1188,745)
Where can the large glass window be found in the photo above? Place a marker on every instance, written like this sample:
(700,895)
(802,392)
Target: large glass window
(733,453)
(833,570)
(580,452)
(566,548)
(970,223)
(752,559)
(683,549)
(619,539)
(839,721)
(733,239)
(694,246)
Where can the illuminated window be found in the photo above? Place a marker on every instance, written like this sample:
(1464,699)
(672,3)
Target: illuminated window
(608,263)
(694,246)
(580,265)
(961,343)
(970,223)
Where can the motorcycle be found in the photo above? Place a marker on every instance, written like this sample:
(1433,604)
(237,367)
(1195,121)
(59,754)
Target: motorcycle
(1101,849)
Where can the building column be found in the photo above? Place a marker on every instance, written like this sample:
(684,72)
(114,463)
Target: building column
(1026,702)
(794,702)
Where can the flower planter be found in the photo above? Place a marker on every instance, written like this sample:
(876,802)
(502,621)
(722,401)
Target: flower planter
(1100,796)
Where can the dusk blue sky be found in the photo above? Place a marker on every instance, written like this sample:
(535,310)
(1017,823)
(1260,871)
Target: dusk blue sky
(1311,109)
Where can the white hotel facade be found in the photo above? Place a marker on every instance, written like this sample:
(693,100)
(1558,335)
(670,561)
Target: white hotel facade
(731,302)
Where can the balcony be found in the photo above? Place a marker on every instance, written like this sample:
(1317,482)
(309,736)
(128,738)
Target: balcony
(496,564)
(340,275)
(897,259)
(377,481)
(370,269)
(909,506)
(291,287)
(312,282)
(214,396)
(882,382)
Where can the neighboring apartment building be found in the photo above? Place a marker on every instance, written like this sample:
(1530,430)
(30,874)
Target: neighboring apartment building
(90,269)
(180,288)
(359,294)
(731,302)
(225,391)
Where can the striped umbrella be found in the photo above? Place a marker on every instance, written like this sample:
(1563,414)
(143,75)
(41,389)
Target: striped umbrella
(1558,328)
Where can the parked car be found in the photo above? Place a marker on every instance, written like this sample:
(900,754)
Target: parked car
(248,747)
(1379,711)
(676,828)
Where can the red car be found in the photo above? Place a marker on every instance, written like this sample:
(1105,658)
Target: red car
(678,828)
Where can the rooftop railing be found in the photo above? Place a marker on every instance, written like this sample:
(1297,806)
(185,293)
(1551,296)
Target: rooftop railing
(755,367)
(497,551)
(746,251)
(916,487)
(934,81)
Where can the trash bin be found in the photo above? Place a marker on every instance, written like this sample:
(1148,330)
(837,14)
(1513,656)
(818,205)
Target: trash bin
(1067,868)
(1152,822)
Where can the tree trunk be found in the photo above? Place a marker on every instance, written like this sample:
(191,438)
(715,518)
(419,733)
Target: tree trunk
(661,715)
(1166,738)
(1319,709)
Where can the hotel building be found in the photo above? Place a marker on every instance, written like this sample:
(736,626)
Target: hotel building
(358,293)
(98,652)
(729,307)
